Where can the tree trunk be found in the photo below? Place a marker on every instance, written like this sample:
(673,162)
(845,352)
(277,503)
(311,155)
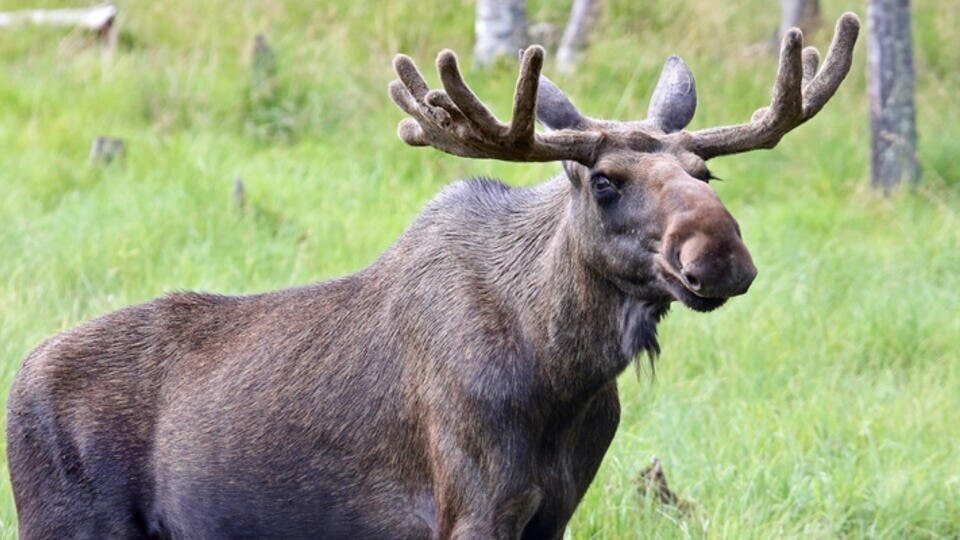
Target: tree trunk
(890,84)
(583,17)
(501,28)
(804,14)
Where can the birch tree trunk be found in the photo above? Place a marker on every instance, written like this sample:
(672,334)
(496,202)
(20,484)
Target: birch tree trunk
(890,88)
(804,14)
(501,28)
(583,17)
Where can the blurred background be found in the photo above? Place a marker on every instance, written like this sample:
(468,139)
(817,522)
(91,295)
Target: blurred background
(175,149)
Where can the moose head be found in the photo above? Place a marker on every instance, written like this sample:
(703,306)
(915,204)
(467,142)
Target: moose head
(642,207)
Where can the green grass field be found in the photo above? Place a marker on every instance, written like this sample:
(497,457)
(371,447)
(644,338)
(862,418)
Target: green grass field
(824,403)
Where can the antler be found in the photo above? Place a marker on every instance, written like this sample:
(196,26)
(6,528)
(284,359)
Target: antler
(455,121)
(798,94)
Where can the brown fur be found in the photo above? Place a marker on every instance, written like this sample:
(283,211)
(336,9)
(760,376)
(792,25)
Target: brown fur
(468,372)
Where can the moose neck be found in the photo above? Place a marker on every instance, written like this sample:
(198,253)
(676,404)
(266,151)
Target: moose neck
(585,329)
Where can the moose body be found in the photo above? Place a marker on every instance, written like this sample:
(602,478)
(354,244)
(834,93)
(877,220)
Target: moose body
(339,408)
(463,385)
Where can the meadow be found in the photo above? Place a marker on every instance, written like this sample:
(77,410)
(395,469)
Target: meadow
(824,403)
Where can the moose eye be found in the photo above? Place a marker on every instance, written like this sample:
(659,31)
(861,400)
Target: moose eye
(603,188)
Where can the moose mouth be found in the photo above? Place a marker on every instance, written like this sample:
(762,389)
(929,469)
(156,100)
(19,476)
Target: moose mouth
(687,297)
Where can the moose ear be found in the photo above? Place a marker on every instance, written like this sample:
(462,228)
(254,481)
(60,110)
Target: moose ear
(554,109)
(675,98)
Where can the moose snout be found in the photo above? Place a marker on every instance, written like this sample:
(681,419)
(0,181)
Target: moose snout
(711,263)
(719,275)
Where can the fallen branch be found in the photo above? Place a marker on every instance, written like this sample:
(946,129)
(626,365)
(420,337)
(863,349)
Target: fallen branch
(98,19)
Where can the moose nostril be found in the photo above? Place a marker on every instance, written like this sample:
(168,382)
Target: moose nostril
(691,280)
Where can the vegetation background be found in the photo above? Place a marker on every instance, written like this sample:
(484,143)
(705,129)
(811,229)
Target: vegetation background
(824,403)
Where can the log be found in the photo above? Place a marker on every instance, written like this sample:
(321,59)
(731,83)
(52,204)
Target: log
(96,18)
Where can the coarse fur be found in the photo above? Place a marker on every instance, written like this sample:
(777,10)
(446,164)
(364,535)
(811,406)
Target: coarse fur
(461,386)
(131,425)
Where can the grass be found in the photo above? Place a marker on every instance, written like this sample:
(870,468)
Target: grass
(821,404)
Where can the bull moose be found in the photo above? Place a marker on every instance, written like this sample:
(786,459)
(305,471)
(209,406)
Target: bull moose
(461,386)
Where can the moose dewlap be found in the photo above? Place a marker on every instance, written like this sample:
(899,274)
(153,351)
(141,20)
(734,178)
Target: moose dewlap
(463,385)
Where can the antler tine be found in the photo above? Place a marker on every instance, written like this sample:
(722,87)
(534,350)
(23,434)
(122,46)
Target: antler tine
(799,93)
(464,98)
(835,66)
(525,95)
(811,60)
(455,121)
(787,102)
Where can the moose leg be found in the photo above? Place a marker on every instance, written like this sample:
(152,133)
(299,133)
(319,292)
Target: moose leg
(591,434)
(56,497)
(66,472)
(597,428)
(481,481)
(506,521)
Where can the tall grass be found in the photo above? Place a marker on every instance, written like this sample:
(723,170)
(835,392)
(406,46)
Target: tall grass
(824,403)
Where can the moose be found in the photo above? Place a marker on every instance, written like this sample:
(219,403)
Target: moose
(461,386)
